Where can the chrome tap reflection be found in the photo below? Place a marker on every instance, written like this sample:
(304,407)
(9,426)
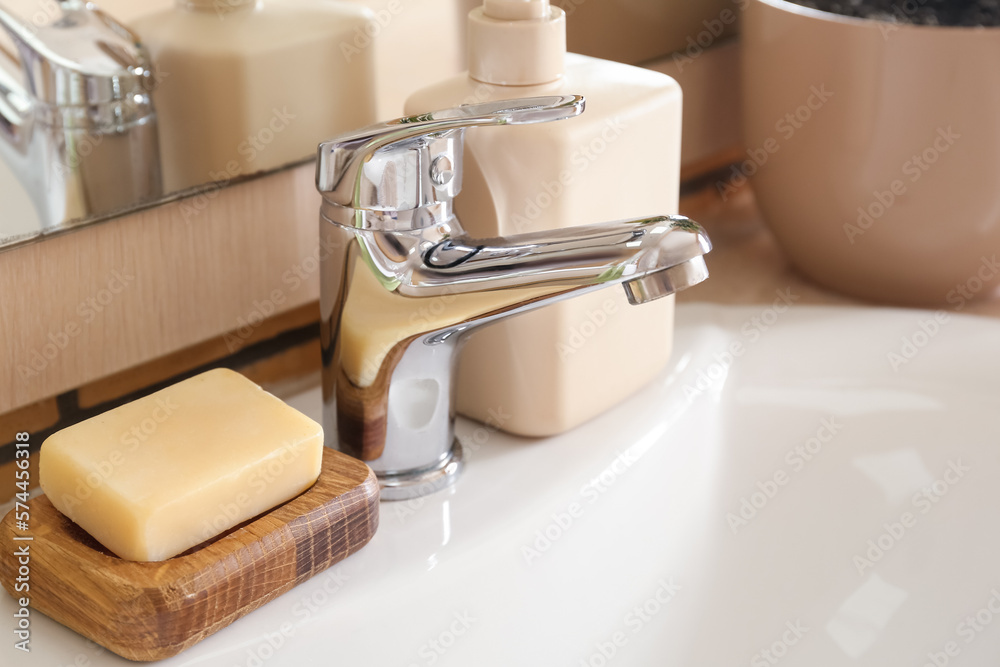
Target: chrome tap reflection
(403,284)
(80,130)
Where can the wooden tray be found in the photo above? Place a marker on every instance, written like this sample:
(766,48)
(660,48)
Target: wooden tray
(150,611)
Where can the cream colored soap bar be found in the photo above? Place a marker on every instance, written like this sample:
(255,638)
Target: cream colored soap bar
(155,477)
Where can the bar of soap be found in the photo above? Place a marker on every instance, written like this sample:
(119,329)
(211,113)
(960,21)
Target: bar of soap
(157,476)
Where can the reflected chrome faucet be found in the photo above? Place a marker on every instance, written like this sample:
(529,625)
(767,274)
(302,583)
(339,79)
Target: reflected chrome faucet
(79,131)
(403,284)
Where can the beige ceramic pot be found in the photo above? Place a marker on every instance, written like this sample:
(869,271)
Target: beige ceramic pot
(875,151)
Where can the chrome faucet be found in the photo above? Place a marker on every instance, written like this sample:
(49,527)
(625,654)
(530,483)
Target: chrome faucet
(403,284)
(79,130)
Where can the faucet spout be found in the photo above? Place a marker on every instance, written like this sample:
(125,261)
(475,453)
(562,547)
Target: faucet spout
(576,257)
(664,282)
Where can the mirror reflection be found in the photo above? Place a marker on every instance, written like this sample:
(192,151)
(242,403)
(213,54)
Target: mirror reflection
(107,109)
(77,125)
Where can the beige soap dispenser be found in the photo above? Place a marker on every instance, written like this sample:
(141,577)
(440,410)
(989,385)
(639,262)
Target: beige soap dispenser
(549,370)
(246,86)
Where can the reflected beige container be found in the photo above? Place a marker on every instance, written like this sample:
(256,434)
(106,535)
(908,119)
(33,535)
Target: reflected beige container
(877,151)
(547,371)
(247,86)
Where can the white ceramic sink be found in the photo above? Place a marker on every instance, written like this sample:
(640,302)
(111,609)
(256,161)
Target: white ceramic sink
(720,517)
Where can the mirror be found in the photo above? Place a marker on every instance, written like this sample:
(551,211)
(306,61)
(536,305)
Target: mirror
(78,134)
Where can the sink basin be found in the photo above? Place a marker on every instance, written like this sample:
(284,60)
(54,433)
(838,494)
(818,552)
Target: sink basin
(815,487)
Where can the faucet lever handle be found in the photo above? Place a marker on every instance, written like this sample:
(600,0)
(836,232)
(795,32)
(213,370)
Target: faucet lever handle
(415,162)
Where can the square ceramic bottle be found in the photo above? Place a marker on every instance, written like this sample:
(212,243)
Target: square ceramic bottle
(246,86)
(550,370)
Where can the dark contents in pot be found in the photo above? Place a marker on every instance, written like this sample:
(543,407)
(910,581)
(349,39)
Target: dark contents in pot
(920,12)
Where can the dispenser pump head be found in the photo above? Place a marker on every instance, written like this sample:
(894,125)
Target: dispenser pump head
(517,42)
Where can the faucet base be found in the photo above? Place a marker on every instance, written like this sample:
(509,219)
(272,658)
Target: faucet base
(416,483)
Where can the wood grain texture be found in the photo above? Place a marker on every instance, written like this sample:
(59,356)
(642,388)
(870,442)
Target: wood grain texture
(164,368)
(151,611)
(109,296)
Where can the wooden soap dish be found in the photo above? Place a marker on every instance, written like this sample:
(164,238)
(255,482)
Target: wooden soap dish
(150,611)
